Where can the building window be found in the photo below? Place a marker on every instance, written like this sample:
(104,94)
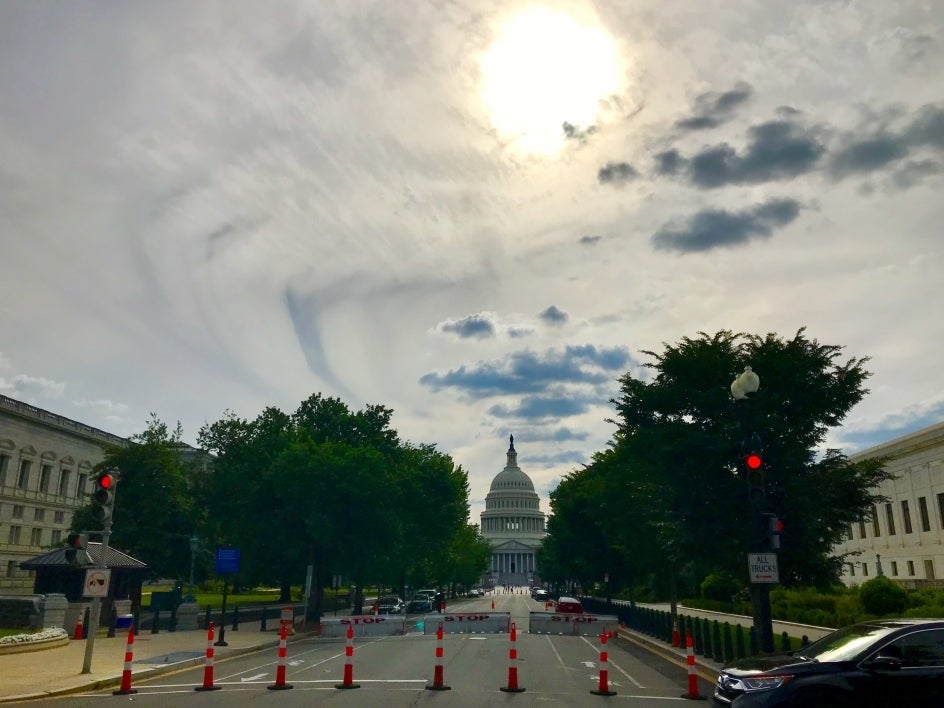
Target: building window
(56,536)
(11,568)
(911,568)
(865,569)
(862,529)
(876,529)
(22,480)
(940,508)
(63,483)
(894,568)
(890,517)
(923,513)
(83,482)
(44,473)
(36,537)
(851,569)
(906,516)
(14,536)
(60,517)
(17,511)
(39,514)
(5,464)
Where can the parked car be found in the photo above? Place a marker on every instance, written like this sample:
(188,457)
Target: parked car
(568,606)
(880,663)
(390,605)
(419,605)
(541,595)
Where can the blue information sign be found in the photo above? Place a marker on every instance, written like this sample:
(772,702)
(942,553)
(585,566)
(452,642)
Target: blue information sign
(227,560)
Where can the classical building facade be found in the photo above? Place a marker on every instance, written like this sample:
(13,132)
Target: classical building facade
(45,463)
(903,538)
(513,524)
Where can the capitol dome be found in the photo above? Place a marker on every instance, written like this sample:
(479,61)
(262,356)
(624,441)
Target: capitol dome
(513,524)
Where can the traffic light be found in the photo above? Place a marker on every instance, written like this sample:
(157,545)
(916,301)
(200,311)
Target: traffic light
(104,496)
(76,542)
(753,455)
(774,529)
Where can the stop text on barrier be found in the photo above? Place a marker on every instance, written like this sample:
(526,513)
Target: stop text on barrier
(364,620)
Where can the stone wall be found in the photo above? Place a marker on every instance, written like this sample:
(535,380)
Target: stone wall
(19,611)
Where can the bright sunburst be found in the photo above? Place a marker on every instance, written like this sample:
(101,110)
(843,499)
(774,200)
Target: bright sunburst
(546,68)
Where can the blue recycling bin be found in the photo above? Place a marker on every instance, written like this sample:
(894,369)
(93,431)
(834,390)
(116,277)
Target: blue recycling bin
(124,621)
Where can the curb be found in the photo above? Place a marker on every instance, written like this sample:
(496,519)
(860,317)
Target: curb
(99,684)
(706,670)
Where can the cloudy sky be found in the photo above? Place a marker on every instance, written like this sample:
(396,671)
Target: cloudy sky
(475,212)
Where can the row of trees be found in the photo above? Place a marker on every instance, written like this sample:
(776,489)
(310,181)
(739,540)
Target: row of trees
(667,500)
(324,487)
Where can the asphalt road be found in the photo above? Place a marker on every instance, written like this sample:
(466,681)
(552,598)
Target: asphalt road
(395,671)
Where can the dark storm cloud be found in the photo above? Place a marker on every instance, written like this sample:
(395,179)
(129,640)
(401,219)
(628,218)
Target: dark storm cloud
(572,132)
(914,172)
(712,108)
(778,149)
(669,162)
(884,147)
(617,173)
(528,372)
(542,407)
(718,228)
(589,240)
(554,316)
(473,326)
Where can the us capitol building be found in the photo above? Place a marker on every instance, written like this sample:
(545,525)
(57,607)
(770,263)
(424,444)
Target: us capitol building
(513,524)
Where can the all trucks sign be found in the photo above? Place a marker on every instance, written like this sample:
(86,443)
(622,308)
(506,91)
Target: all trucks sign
(763,567)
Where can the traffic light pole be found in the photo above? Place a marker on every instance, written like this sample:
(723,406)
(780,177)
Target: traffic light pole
(107,506)
(96,612)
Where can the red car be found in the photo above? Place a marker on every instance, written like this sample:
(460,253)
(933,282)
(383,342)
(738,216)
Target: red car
(569,606)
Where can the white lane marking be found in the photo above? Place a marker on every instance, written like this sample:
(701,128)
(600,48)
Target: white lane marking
(554,649)
(608,661)
(253,678)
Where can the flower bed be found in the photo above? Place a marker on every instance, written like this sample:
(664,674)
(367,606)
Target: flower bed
(35,641)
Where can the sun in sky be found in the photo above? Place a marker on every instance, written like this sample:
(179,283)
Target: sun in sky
(546,67)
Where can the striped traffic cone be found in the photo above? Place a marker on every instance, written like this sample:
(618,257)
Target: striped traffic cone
(512,686)
(348,662)
(437,684)
(280,671)
(692,676)
(79,632)
(208,665)
(125,687)
(604,687)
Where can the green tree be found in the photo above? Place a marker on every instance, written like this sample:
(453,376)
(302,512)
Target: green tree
(680,436)
(153,515)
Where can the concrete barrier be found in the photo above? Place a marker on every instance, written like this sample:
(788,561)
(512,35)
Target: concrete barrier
(468,623)
(363,625)
(577,625)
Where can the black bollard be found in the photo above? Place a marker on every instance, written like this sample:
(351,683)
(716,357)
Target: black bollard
(235,618)
(136,620)
(262,627)
(753,639)
(785,642)
(156,627)
(206,622)
(113,621)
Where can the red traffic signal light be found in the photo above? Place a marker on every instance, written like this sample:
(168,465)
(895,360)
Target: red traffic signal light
(753,461)
(105,480)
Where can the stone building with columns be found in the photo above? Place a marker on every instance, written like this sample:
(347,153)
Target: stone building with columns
(513,524)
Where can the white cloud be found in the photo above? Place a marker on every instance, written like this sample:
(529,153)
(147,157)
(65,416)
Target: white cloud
(209,209)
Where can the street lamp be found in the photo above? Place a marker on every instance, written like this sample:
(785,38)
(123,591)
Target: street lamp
(742,387)
(194,545)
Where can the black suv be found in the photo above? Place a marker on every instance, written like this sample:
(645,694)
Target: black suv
(881,663)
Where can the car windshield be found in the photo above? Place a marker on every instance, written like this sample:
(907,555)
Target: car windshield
(846,643)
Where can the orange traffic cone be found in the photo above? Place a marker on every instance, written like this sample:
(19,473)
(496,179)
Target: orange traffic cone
(79,630)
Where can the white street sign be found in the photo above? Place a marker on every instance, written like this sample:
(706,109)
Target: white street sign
(763,567)
(96,582)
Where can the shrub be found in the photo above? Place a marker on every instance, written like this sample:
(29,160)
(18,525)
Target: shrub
(882,596)
(720,586)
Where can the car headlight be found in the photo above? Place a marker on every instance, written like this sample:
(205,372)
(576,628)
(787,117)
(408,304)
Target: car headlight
(762,683)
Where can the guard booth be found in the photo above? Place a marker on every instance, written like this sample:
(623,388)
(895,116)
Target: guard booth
(55,574)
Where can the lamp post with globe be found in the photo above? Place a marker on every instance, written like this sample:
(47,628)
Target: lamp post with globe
(747,383)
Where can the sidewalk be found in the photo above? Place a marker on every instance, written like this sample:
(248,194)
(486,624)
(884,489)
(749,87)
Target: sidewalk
(58,671)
